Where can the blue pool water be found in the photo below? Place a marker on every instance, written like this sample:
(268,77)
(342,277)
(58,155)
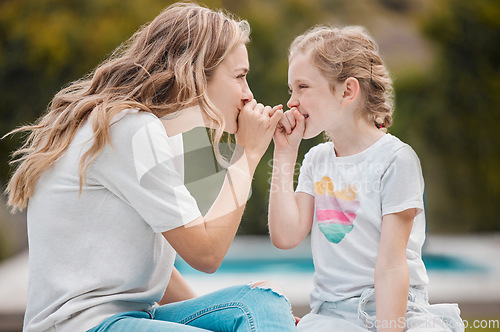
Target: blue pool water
(433,262)
(451,263)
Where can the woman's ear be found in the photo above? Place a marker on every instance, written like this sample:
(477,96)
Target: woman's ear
(351,91)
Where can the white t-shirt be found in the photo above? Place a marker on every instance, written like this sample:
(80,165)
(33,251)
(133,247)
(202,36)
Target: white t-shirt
(102,252)
(351,194)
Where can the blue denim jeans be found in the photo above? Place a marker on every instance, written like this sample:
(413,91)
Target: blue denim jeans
(358,314)
(238,308)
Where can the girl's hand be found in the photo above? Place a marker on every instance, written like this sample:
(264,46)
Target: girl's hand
(256,126)
(289,131)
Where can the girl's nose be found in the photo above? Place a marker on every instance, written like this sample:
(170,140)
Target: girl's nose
(292,102)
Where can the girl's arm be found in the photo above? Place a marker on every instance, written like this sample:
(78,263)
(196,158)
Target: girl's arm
(203,243)
(290,214)
(391,271)
(177,290)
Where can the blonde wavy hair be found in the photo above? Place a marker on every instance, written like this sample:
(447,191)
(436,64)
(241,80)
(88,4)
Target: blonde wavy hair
(343,52)
(164,67)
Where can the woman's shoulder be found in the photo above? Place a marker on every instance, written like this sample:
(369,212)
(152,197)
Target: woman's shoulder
(130,122)
(133,118)
(132,129)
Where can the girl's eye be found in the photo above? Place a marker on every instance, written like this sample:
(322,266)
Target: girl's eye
(302,86)
(241,76)
(290,91)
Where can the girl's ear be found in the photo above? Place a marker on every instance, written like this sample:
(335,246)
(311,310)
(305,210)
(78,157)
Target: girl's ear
(351,91)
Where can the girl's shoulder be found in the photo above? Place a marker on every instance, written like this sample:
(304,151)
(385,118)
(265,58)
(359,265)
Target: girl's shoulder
(320,150)
(396,147)
(390,146)
(399,154)
(318,154)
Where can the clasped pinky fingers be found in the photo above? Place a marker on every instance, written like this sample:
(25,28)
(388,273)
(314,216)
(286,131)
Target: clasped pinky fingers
(275,108)
(287,122)
(276,117)
(267,111)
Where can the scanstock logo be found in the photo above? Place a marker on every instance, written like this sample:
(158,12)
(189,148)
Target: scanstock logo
(190,162)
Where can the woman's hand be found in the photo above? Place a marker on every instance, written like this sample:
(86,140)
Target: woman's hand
(256,126)
(289,131)
(177,290)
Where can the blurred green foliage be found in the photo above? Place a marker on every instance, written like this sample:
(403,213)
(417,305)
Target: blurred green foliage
(457,116)
(447,111)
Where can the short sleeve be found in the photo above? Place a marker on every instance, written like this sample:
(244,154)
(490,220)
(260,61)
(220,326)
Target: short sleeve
(142,168)
(402,185)
(306,176)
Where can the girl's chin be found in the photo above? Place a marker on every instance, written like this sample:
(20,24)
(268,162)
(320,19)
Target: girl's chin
(309,134)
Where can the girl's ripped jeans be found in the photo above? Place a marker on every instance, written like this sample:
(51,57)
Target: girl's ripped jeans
(244,308)
(358,315)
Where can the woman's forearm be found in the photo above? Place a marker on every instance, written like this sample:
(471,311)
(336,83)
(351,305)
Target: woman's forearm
(235,189)
(210,236)
(223,218)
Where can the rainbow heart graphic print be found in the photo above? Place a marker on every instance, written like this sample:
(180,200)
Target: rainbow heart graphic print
(335,210)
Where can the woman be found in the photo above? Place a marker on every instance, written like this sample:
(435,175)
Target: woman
(107,208)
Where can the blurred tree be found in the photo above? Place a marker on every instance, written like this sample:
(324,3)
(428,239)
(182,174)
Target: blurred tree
(45,44)
(456,113)
(449,116)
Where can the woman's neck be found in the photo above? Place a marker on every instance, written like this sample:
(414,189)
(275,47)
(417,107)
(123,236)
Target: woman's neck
(183,120)
(355,138)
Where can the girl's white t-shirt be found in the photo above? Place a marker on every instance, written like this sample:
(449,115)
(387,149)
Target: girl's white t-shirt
(101,252)
(351,195)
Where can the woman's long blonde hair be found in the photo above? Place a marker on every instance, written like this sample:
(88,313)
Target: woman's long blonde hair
(163,68)
(343,52)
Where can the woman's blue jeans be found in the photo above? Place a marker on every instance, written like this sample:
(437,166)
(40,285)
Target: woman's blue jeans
(238,308)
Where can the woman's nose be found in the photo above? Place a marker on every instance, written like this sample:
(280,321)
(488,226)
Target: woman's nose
(247,94)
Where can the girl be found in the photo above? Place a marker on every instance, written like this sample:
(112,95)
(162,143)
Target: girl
(102,180)
(360,195)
